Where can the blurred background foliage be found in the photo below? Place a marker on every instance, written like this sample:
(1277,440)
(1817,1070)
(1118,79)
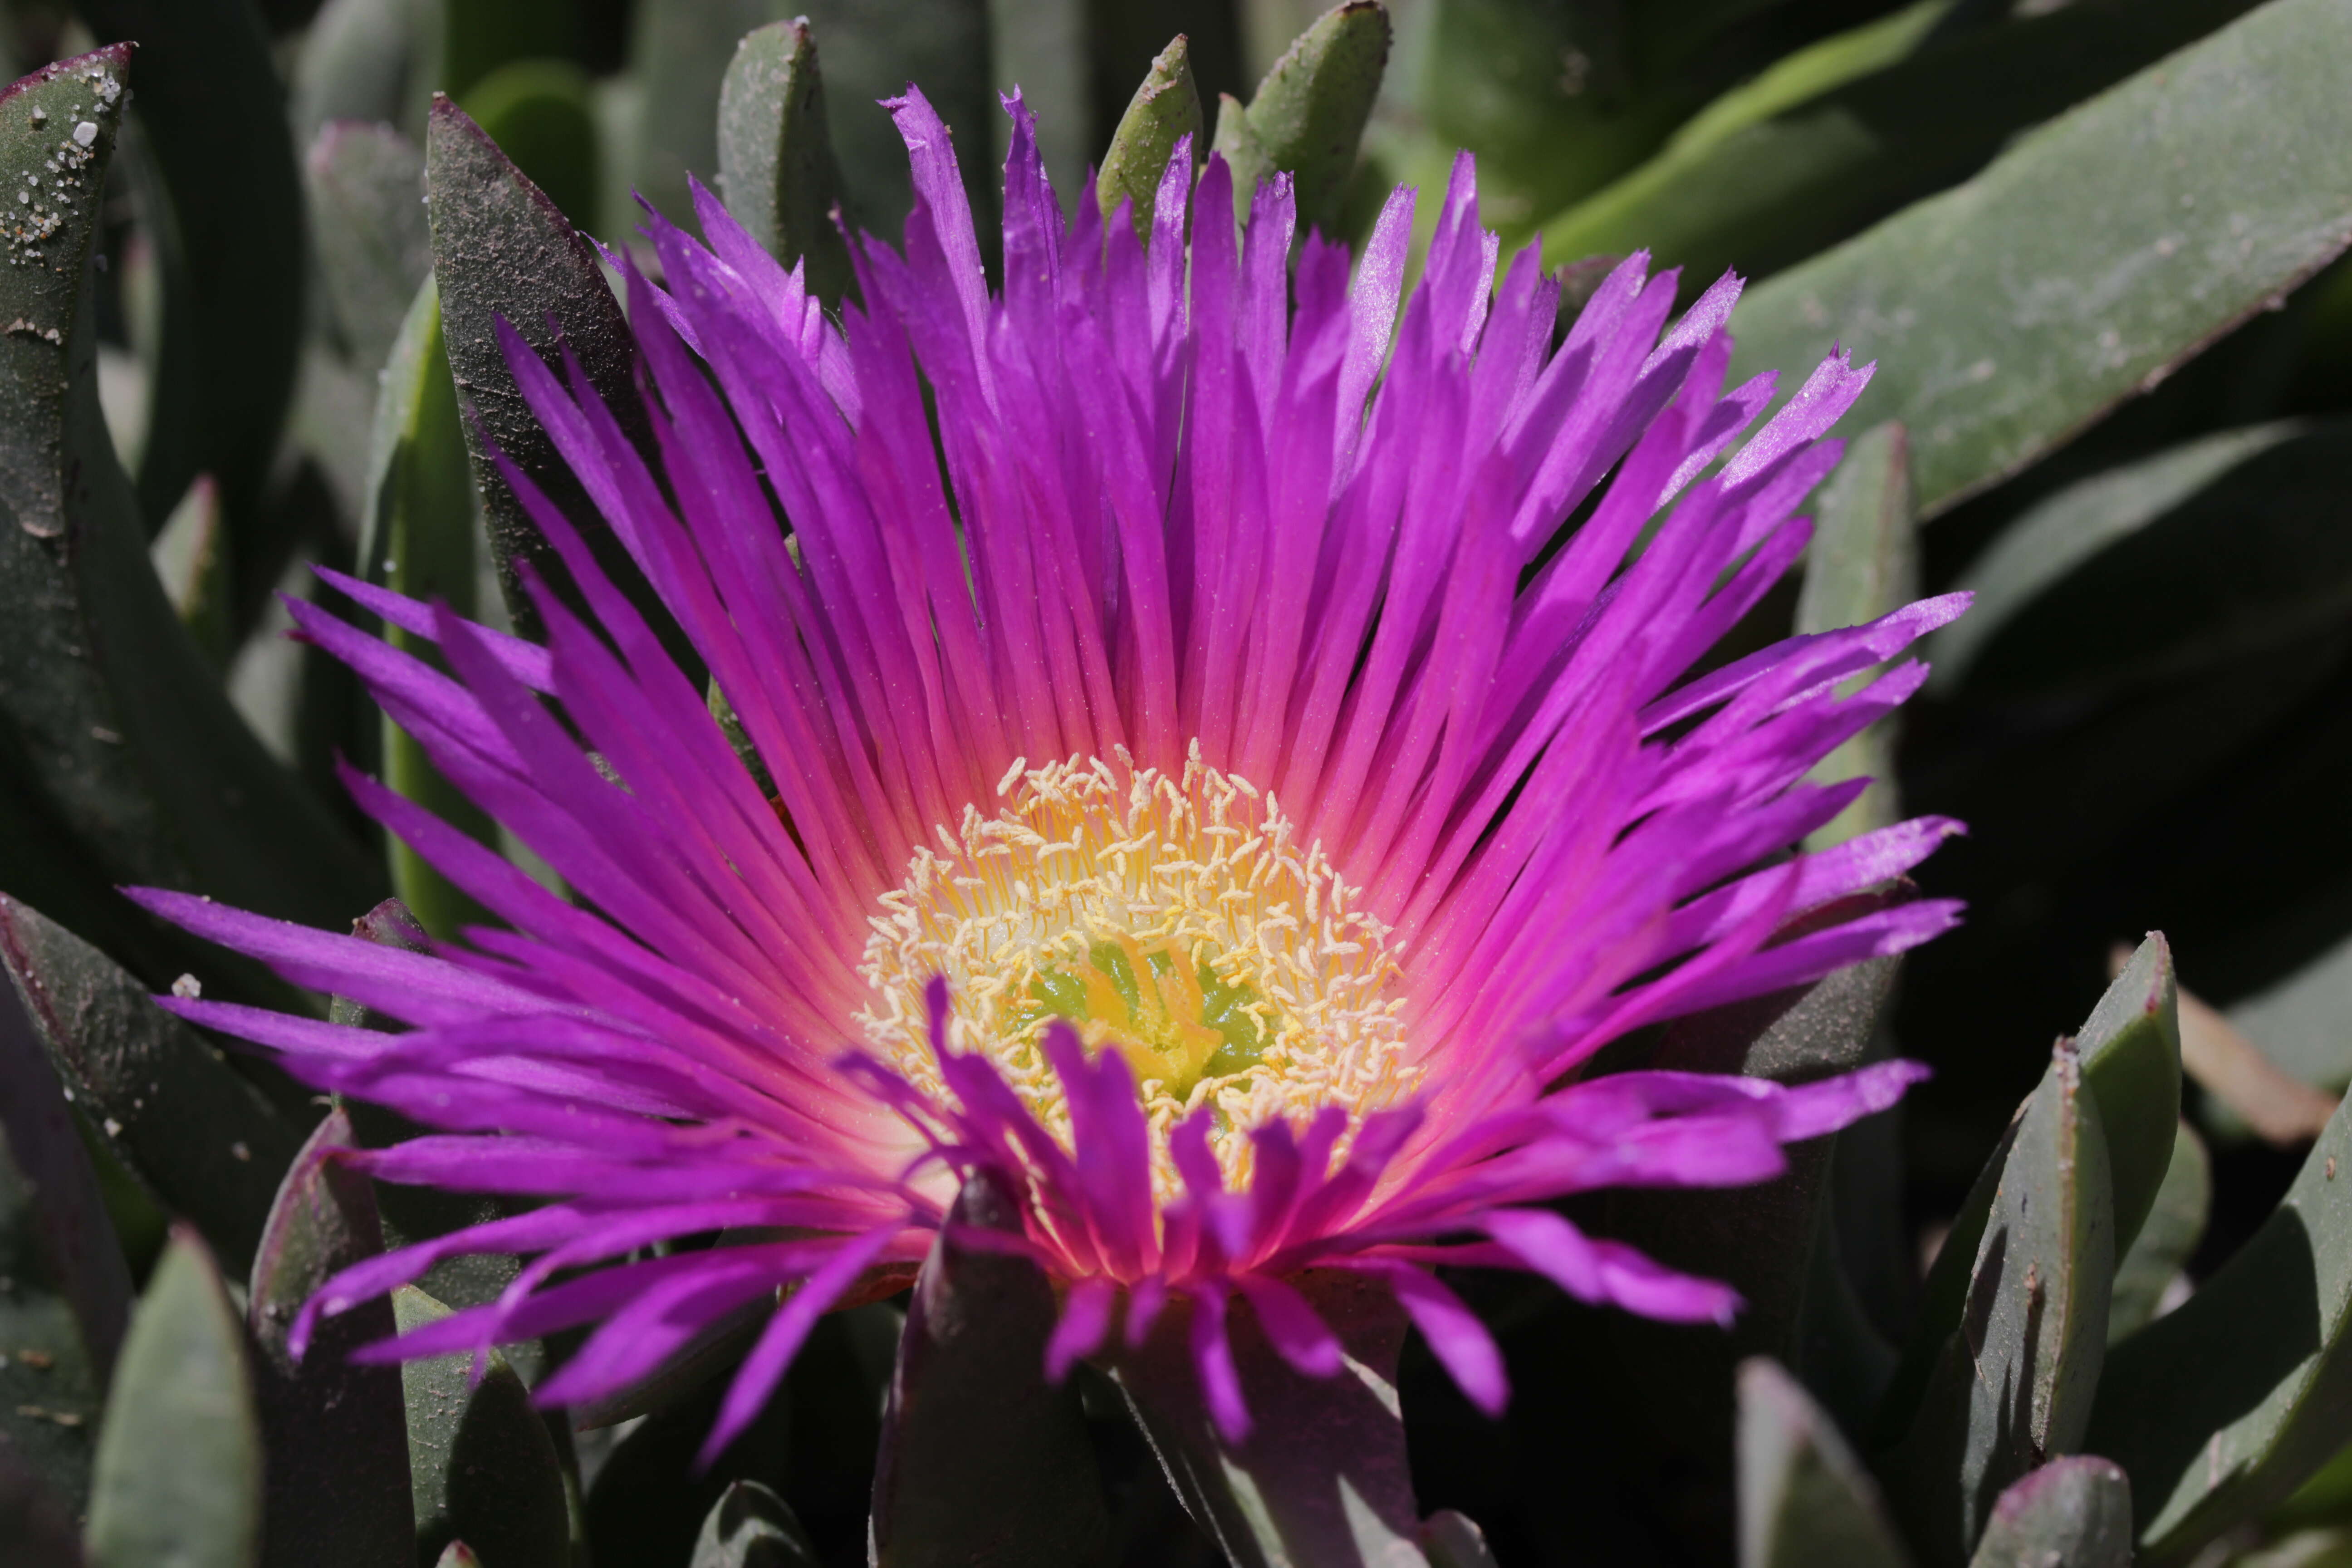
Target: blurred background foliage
(2104,281)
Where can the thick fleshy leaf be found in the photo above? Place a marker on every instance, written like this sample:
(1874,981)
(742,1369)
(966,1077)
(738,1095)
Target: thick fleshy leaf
(2071,1513)
(2046,546)
(538,113)
(482,1467)
(501,249)
(2174,1227)
(1322,1477)
(59,1233)
(1803,1498)
(1863,563)
(124,761)
(179,1460)
(1165,110)
(168,1104)
(368,225)
(2221,1408)
(2130,1047)
(409,1213)
(872,49)
(972,1359)
(215,124)
(1308,114)
(2088,260)
(2128,1055)
(417,538)
(334,1430)
(752,1528)
(775,152)
(62,1319)
(1836,136)
(2009,1378)
(1764,1241)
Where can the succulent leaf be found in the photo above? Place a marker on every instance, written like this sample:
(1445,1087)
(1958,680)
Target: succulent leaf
(1804,1497)
(2244,136)
(167,1103)
(2074,1512)
(123,760)
(482,1465)
(1309,113)
(502,248)
(1323,1478)
(63,1317)
(1165,110)
(1863,563)
(2130,1047)
(775,153)
(216,129)
(2046,545)
(335,1429)
(540,114)
(2221,1408)
(972,1359)
(56,1217)
(1838,134)
(413,1214)
(418,539)
(2009,1379)
(2167,1239)
(179,1469)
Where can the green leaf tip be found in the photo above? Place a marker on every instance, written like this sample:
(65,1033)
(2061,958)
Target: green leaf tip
(2003,1366)
(337,1479)
(1165,110)
(179,1459)
(776,168)
(501,247)
(2130,1047)
(972,1357)
(1308,114)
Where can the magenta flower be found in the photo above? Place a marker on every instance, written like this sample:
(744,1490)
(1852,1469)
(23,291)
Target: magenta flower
(1214,788)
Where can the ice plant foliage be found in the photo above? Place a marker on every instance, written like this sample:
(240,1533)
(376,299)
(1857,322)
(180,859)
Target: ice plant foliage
(1228,780)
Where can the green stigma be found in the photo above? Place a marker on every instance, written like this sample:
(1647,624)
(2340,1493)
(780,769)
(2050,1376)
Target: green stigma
(1172,1016)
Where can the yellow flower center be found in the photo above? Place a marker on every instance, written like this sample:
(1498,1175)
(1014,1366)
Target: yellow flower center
(1176,920)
